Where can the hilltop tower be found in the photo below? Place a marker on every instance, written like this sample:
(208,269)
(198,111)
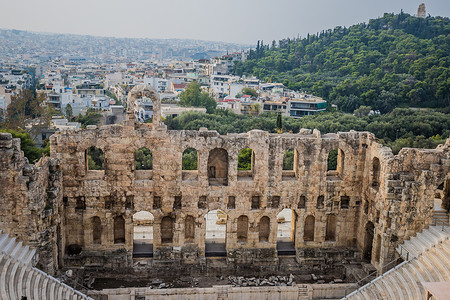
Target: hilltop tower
(421,12)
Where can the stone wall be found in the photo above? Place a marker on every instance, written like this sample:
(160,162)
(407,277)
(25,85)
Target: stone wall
(370,185)
(31,199)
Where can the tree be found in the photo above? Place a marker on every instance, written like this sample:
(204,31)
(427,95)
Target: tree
(91,117)
(245,159)
(255,109)
(194,96)
(69,111)
(143,159)
(249,91)
(279,122)
(30,150)
(362,111)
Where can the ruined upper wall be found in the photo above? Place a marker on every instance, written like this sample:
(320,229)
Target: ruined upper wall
(30,200)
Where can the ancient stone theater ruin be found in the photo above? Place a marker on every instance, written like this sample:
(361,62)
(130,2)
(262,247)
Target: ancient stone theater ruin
(121,220)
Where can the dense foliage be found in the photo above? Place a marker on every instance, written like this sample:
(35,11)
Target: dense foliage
(194,96)
(30,150)
(143,159)
(395,60)
(91,117)
(245,159)
(96,159)
(397,129)
(190,159)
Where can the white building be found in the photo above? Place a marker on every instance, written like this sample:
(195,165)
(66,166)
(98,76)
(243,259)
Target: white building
(143,109)
(161,85)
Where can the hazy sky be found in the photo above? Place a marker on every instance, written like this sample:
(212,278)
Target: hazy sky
(242,21)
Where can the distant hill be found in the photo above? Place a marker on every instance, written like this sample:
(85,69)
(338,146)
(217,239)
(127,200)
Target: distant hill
(14,43)
(395,60)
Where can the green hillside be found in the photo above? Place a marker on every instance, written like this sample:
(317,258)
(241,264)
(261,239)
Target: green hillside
(396,60)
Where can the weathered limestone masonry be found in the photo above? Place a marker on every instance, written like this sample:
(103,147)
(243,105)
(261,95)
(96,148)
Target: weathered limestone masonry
(30,201)
(373,201)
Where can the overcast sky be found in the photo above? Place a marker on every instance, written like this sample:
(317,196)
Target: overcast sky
(241,21)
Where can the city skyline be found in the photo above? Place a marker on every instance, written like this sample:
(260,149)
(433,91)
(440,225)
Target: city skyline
(233,21)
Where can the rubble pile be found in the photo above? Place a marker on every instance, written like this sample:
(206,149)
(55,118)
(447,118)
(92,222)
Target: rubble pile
(270,281)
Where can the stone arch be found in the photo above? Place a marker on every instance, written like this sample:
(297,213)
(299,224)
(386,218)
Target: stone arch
(242,229)
(143,159)
(189,229)
(308,232)
(167,230)
(189,160)
(96,230)
(376,172)
(218,167)
(95,159)
(141,91)
(215,233)
(330,233)
(246,164)
(264,229)
(119,230)
(368,241)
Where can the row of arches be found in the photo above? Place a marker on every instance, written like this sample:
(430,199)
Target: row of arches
(218,163)
(215,232)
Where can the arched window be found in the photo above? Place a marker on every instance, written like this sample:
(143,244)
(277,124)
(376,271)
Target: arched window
(143,159)
(246,160)
(96,230)
(264,229)
(166,230)
(189,229)
(330,234)
(376,169)
(308,234)
(218,167)
(95,158)
(242,229)
(119,230)
(190,159)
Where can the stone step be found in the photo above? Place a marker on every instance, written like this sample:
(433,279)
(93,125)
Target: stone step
(401,284)
(4,275)
(9,246)
(411,269)
(3,240)
(14,281)
(422,269)
(412,281)
(439,264)
(433,270)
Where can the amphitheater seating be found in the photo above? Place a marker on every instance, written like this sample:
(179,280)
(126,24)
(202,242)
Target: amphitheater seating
(428,261)
(19,279)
